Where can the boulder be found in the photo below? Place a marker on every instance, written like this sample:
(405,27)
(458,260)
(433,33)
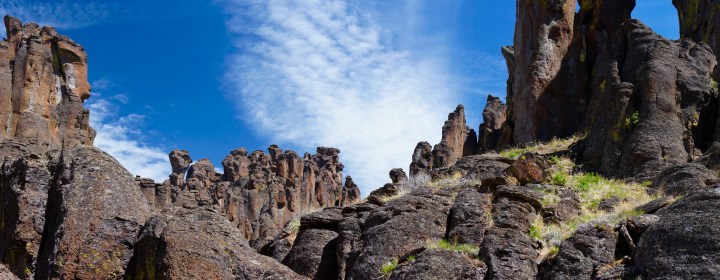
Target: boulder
(680,179)
(582,255)
(469,215)
(313,254)
(684,243)
(440,264)
(530,168)
(494,116)
(199,244)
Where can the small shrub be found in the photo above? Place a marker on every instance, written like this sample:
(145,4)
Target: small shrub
(389,267)
(535,231)
(714,85)
(553,251)
(412,258)
(560,178)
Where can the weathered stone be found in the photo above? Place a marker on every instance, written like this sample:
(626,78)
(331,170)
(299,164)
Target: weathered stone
(43,79)
(582,255)
(655,205)
(543,32)
(494,117)
(398,176)
(94,213)
(199,244)
(313,254)
(7,274)
(685,242)
(458,140)
(440,264)
(530,168)
(402,225)
(469,216)
(680,179)
(422,159)
(567,208)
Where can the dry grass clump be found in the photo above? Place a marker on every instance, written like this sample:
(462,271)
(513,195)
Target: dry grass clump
(543,148)
(592,189)
(450,246)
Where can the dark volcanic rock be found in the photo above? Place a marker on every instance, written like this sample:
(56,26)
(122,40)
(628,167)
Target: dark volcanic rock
(582,255)
(653,111)
(507,248)
(469,216)
(313,254)
(440,265)
(422,159)
(543,32)
(199,244)
(685,242)
(494,116)
(401,226)
(93,217)
(397,176)
(680,179)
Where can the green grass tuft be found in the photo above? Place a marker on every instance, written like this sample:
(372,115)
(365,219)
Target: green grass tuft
(586,181)
(447,245)
(389,267)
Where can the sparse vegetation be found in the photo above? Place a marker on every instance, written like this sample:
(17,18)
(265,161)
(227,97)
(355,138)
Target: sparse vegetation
(714,85)
(447,245)
(631,120)
(552,146)
(412,258)
(389,267)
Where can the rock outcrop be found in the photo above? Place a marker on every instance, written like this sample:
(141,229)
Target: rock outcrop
(43,82)
(259,192)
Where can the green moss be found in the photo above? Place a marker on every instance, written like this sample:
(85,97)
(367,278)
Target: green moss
(389,267)
(603,86)
(412,258)
(714,85)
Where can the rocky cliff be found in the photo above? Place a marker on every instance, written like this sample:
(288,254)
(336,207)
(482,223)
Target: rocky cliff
(603,164)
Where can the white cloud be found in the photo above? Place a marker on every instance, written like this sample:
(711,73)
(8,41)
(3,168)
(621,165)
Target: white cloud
(120,136)
(326,72)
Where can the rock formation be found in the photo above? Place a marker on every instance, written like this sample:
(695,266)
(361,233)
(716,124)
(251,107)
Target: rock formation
(646,108)
(258,192)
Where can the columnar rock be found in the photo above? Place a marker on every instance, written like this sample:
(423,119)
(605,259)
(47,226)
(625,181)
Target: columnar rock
(700,21)
(422,159)
(543,32)
(655,109)
(259,192)
(43,82)
(457,140)
(491,136)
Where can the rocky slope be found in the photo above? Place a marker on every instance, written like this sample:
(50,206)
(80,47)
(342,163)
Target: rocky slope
(632,189)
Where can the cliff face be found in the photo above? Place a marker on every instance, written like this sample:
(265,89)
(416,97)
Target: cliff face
(43,83)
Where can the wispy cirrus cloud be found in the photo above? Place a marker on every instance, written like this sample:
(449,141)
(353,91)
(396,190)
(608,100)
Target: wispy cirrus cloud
(121,136)
(328,72)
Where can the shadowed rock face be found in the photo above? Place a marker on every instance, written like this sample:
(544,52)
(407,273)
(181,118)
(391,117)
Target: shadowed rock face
(43,83)
(543,32)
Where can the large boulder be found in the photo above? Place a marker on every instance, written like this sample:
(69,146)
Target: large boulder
(94,213)
(199,244)
(680,179)
(437,264)
(582,255)
(685,242)
(401,226)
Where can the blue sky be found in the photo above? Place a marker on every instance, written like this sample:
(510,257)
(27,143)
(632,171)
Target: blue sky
(369,77)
